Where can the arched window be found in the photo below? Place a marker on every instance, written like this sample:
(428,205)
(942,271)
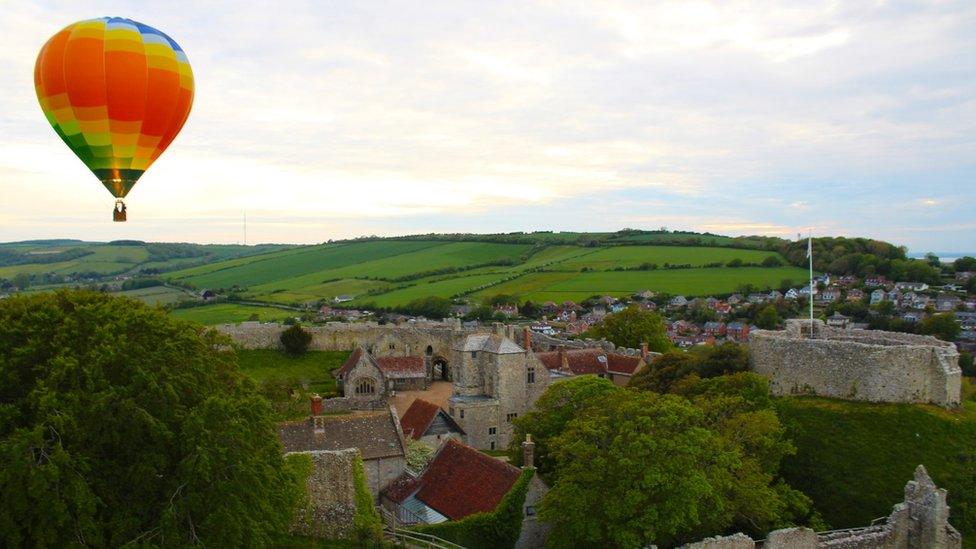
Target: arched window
(365,386)
(430,350)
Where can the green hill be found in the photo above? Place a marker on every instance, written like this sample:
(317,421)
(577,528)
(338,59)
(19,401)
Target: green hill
(854,458)
(541,266)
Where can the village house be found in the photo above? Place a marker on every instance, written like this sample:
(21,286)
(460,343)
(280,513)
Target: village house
(677,302)
(757,298)
(429,423)
(914,286)
(460,481)
(878,296)
(737,331)
(715,329)
(967,320)
(838,320)
(774,295)
(791,294)
(964,276)
(363,377)
(376,434)
(509,310)
(947,302)
(913,316)
(734,299)
(875,281)
(342,298)
(829,295)
(722,308)
(593,361)
(855,294)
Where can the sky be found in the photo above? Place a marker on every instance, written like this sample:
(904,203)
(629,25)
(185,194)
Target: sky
(329,120)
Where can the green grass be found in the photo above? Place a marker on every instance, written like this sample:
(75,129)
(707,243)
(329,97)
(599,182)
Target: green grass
(224,313)
(561,286)
(156,295)
(853,458)
(327,290)
(443,288)
(633,256)
(313,369)
(316,261)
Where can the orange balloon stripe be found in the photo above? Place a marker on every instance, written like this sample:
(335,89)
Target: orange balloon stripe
(117,92)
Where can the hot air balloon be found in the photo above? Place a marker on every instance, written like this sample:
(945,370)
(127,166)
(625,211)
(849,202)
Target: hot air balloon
(117,92)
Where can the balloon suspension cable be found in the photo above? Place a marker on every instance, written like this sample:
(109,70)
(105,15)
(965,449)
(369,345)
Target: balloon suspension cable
(118,211)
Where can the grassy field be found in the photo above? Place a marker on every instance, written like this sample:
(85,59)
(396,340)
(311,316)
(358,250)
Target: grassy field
(287,382)
(561,286)
(156,295)
(442,288)
(854,458)
(633,256)
(109,259)
(326,290)
(221,313)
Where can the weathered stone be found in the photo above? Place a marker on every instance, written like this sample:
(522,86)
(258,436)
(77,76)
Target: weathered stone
(867,365)
(791,538)
(331,505)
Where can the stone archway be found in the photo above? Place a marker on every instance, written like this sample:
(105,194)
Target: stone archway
(442,371)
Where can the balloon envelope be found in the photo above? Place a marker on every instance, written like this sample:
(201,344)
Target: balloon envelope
(117,92)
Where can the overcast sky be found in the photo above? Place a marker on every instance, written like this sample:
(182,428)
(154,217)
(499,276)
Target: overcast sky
(331,120)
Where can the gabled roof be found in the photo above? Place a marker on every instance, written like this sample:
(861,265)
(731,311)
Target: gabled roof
(375,434)
(491,343)
(350,362)
(419,416)
(458,482)
(402,366)
(622,364)
(578,361)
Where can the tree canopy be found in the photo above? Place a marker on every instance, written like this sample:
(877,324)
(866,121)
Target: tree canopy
(943,326)
(633,326)
(120,424)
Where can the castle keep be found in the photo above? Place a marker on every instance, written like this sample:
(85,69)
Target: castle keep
(868,365)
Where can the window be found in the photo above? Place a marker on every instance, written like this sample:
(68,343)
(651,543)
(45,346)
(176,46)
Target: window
(365,386)
(530,510)
(492,430)
(462,413)
(510,417)
(530,376)
(392,346)
(493,445)
(474,354)
(451,411)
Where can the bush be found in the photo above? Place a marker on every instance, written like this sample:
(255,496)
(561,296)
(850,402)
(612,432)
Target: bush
(966,364)
(295,340)
(367,524)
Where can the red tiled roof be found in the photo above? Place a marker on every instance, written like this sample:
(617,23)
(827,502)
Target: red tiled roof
(622,364)
(459,481)
(578,361)
(402,366)
(350,362)
(418,417)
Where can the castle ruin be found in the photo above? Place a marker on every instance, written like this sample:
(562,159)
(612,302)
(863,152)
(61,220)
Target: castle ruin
(866,365)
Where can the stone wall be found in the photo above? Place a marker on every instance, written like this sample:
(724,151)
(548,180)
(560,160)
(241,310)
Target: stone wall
(864,365)
(921,521)
(332,496)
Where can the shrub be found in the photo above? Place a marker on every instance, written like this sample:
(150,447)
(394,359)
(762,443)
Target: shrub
(295,340)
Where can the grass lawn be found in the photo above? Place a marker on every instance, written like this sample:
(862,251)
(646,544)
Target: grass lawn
(633,256)
(313,370)
(854,458)
(225,313)
(561,286)
(442,288)
(156,295)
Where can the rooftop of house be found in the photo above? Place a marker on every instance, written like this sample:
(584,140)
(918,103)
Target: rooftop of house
(589,361)
(350,362)
(492,343)
(402,366)
(375,434)
(459,481)
(419,416)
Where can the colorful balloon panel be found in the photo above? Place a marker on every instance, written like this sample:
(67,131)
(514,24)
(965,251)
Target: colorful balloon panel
(117,92)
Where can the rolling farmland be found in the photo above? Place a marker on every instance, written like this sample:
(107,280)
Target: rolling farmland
(392,273)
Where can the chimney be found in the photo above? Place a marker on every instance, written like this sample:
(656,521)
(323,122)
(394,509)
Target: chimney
(499,329)
(563,362)
(644,350)
(527,339)
(316,405)
(528,453)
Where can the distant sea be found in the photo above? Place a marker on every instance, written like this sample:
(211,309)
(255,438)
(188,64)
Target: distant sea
(945,257)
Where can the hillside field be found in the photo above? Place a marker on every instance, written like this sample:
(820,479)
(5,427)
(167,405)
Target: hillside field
(392,273)
(854,458)
(222,313)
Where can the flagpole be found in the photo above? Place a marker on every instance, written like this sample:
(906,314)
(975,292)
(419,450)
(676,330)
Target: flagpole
(810,295)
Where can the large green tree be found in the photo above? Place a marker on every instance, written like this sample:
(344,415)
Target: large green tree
(639,468)
(552,412)
(943,326)
(119,424)
(633,326)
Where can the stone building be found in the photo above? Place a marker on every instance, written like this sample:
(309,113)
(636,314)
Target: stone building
(430,424)
(376,434)
(920,521)
(867,365)
(460,481)
(614,366)
(495,381)
(364,377)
